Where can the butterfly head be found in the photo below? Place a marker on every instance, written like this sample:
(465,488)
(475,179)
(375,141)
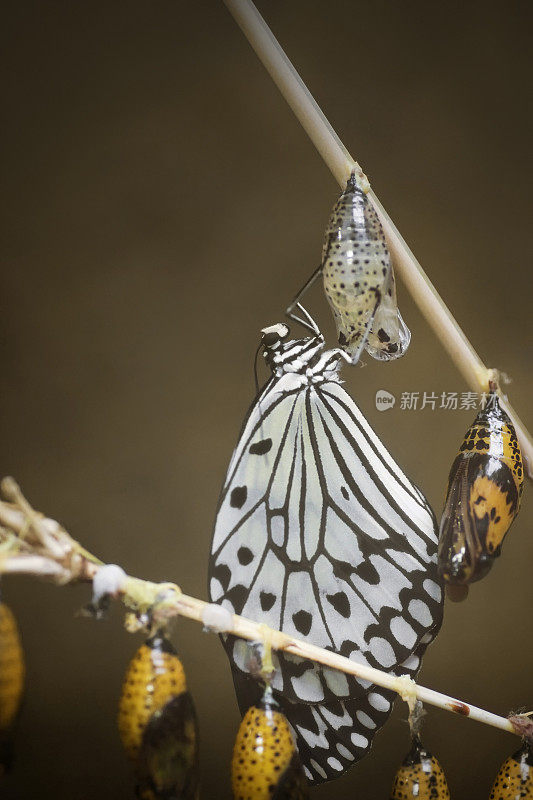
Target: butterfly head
(290,355)
(273,336)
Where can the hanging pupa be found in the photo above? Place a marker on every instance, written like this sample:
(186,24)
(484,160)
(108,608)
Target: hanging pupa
(157,723)
(12,671)
(514,781)
(265,764)
(483,497)
(420,776)
(359,279)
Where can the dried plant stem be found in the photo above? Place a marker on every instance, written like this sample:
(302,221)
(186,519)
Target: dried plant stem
(247,629)
(66,561)
(341,164)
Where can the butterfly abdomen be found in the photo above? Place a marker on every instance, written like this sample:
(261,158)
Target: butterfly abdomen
(483,497)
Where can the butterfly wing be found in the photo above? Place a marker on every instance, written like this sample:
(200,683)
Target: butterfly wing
(320,534)
(332,736)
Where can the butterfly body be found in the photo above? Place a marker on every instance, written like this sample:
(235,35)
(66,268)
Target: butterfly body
(483,497)
(320,534)
(359,279)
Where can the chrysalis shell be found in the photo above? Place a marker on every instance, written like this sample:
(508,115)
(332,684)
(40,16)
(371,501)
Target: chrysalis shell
(514,781)
(12,672)
(483,497)
(265,762)
(388,337)
(157,723)
(359,280)
(420,776)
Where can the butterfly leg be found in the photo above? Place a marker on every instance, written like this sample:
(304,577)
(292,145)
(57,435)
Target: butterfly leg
(353,358)
(310,325)
(306,320)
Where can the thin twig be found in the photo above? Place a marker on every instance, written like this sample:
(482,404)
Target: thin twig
(245,628)
(33,523)
(38,566)
(160,601)
(341,164)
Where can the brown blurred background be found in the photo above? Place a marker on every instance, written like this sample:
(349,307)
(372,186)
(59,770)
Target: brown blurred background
(161,205)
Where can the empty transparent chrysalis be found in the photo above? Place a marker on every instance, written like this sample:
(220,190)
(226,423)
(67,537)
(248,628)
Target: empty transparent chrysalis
(388,336)
(359,279)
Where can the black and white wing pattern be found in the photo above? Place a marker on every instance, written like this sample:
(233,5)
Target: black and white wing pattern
(320,534)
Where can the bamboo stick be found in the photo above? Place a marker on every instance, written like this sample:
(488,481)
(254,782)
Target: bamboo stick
(252,631)
(69,562)
(341,164)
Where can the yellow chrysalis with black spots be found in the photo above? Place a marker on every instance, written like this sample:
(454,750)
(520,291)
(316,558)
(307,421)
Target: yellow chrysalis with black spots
(420,776)
(265,764)
(157,723)
(514,781)
(483,498)
(12,672)
(359,279)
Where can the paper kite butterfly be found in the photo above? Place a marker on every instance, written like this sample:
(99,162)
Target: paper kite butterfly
(320,534)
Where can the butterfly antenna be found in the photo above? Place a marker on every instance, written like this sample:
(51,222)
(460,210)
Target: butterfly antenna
(256,376)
